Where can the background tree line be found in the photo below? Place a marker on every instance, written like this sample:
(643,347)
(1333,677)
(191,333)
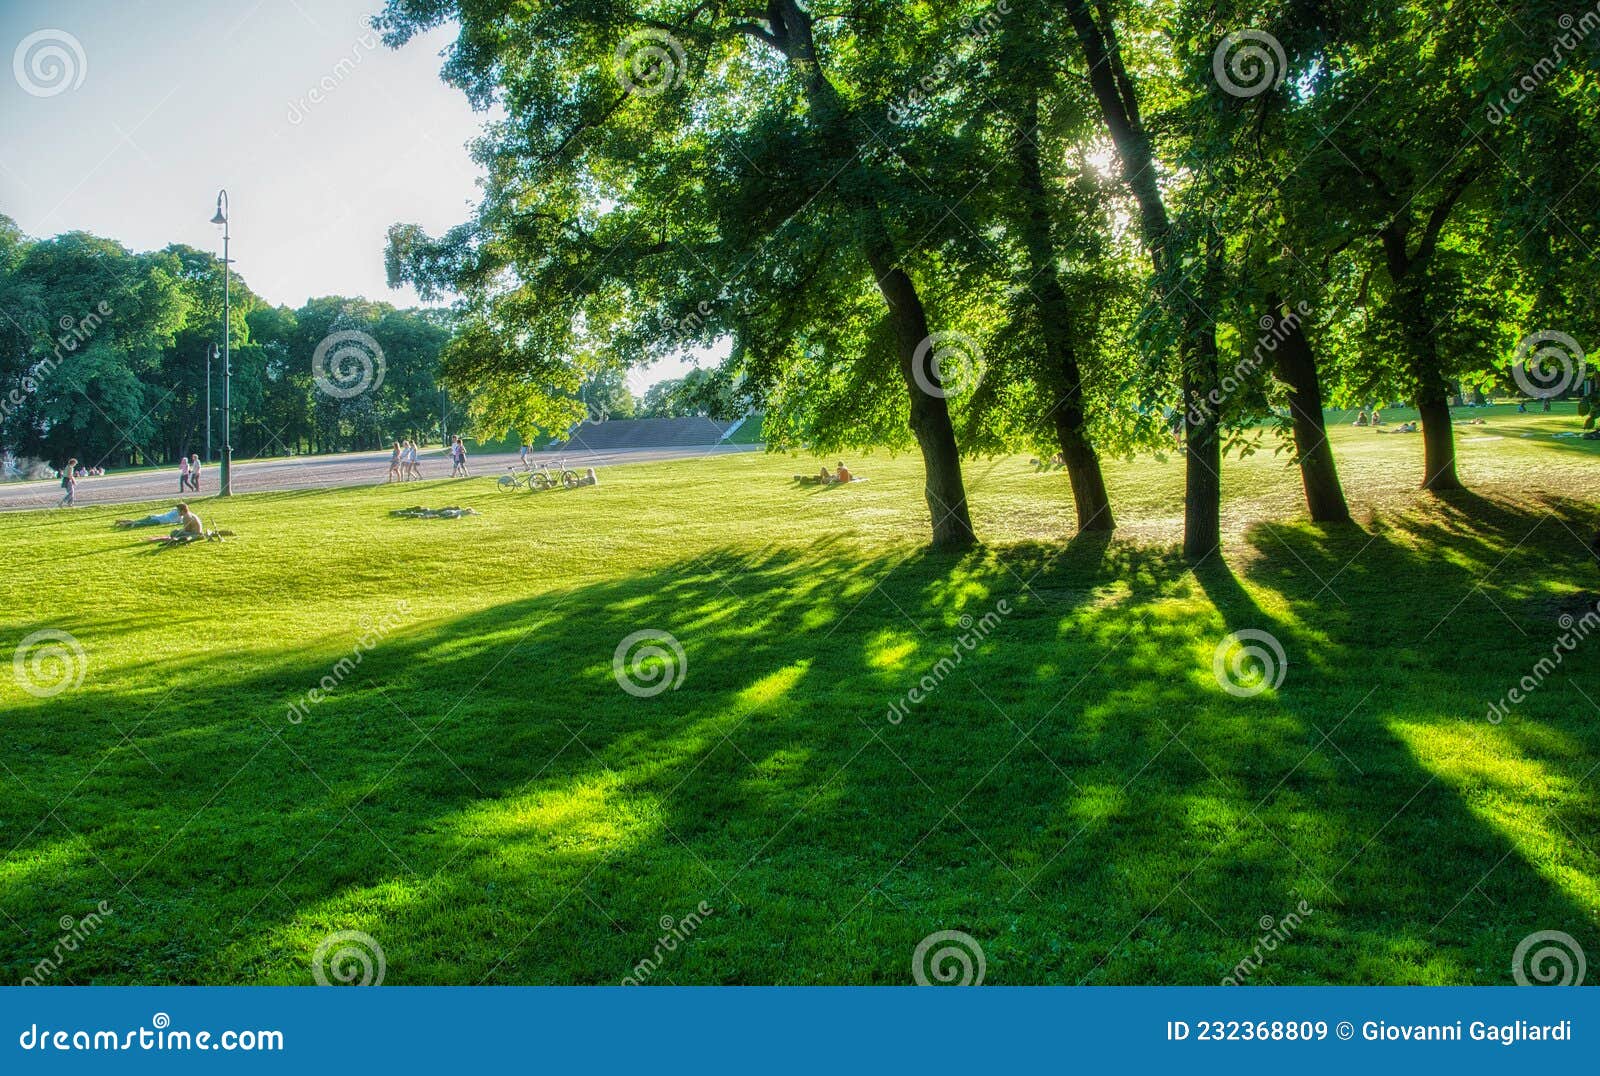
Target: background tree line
(103,358)
(1072,227)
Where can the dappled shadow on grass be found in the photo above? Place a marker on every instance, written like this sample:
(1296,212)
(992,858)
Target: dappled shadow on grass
(485,798)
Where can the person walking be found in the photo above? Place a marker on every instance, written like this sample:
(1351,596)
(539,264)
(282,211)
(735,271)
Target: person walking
(394,463)
(194,471)
(183,474)
(69,483)
(458,456)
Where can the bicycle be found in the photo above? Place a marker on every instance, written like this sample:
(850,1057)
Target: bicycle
(536,479)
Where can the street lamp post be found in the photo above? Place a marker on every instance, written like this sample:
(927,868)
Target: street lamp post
(211,353)
(225,489)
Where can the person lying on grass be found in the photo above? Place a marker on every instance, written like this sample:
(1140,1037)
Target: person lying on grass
(168,518)
(190,529)
(419,512)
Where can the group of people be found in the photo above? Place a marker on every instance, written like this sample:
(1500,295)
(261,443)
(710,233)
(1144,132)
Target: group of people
(403,465)
(403,462)
(189,473)
(825,477)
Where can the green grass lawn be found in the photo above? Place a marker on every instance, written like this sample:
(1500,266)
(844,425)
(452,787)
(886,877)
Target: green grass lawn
(1079,793)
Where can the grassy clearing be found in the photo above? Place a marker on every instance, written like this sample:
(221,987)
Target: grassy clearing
(1079,794)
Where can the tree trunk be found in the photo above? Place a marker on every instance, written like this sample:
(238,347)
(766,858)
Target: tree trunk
(1202,499)
(1297,368)
(1438,443)
(1064,378)
(1119,107)
(1433,395)
(930,414)
(1409,272)
(789,31)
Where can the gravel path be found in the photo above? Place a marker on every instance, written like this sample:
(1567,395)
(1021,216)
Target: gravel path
(316,472)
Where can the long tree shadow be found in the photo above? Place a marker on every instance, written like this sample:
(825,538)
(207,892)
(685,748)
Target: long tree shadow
(1442,874)
(845,756)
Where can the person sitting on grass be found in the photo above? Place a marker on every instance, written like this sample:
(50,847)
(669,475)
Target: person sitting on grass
(168,518)
(843,475)
(189,525)
(190,529)
(1362,419)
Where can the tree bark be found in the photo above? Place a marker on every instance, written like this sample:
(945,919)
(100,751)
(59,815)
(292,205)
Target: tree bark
(1064,378)
(1119,106)
(1297,368)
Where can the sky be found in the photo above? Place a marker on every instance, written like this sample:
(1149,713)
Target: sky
(124,117)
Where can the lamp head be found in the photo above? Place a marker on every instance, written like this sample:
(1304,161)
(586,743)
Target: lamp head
(222,214)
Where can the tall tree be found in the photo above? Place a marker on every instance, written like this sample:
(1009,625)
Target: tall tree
(1171,251)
